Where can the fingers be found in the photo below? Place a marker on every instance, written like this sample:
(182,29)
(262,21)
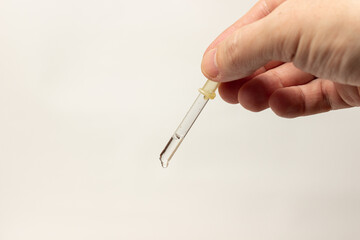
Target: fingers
(315,97)
(250,47)
(261,9)
(290,92)
(229,90)
(254,95)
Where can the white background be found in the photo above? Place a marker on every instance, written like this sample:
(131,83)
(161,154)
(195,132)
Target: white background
(91,91)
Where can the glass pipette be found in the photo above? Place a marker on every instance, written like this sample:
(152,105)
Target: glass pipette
(206,92)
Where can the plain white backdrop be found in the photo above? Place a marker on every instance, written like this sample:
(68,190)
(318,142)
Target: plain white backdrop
(91,91)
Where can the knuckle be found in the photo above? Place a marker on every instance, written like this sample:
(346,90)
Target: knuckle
(229,59)
(285,28)
(349,66)
(265,6)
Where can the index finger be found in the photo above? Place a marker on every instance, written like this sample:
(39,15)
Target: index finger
(260,10)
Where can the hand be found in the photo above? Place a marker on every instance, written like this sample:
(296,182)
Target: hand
(298,57)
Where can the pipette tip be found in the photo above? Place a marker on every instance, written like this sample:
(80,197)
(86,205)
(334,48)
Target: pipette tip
(164,164)
(169,150)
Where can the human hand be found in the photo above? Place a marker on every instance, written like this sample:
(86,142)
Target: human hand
(297,57)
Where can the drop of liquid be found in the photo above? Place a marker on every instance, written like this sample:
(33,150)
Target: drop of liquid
(164,164)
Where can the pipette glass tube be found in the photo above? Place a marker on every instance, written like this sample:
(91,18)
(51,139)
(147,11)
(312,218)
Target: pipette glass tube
(206,92)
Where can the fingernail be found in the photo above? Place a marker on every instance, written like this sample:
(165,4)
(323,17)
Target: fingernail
(209,65)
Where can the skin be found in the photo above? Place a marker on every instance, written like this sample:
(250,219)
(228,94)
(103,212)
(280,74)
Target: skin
(298,57)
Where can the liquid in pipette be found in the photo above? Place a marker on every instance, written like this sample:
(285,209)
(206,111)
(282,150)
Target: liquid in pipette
(170,149)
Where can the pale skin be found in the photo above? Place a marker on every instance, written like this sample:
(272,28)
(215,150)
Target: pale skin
(297,57)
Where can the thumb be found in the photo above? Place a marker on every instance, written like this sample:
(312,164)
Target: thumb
(251,47)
